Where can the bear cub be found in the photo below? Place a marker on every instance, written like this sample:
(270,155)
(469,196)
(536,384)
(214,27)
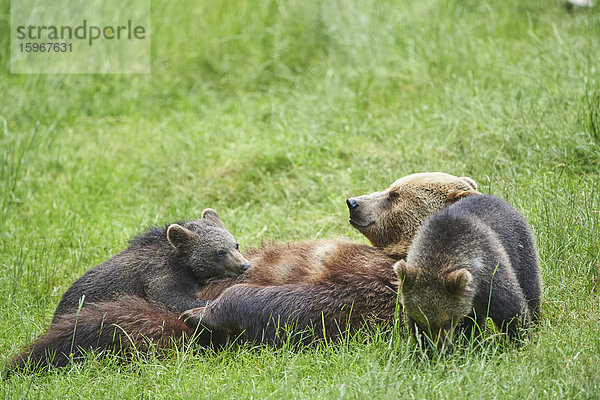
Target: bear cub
(472,260)
(132,300)
(164,265)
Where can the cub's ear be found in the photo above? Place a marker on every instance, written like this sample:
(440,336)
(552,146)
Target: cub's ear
(211,215)
(179,236)
(406,273)
(455,195)
(469,182)
(457,281)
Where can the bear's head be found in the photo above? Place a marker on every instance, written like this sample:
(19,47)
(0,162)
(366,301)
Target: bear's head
(206,247)
(434,301)
(390,218)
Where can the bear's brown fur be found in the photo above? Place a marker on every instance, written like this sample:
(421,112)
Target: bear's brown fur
(279,264)
(122,326)
(355,290)
(327,286)
(339,270)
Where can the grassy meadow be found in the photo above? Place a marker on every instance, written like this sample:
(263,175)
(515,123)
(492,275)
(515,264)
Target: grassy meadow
(273,113)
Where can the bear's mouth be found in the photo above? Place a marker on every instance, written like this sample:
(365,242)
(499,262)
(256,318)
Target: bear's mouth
(358,224)
(232,273)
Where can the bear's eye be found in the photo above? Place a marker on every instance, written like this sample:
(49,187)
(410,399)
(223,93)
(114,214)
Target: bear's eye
(393,195)
(221,253)
(237,246)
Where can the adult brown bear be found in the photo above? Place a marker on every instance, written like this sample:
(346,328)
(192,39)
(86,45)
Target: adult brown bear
(349,285)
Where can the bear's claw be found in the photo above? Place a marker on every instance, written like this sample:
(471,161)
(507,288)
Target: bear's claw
(192,317)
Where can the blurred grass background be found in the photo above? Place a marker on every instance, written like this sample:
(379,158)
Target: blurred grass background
(274,112)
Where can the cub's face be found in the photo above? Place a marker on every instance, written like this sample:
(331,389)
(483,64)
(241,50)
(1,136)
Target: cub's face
(434,302)
(207,248)
(216,254)
(431,315)
(394,214)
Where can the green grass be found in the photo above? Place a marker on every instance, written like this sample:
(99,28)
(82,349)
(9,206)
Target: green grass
(273,113)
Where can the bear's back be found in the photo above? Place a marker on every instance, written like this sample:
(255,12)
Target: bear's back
(124,273)
(114,277)
(514,233)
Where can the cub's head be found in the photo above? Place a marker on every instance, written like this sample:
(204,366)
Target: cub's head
(390,218)
(206,247)
(434,301)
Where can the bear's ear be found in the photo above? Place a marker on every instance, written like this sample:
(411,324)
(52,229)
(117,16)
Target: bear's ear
(211,215)
(469,182)
(179,236)
(406,273)
(455,195)
(457,281)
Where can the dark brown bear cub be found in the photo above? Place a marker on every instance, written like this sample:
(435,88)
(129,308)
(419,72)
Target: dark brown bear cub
(472,260)
(133,299)
(165,265)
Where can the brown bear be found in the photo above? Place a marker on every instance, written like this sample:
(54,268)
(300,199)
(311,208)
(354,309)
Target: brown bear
(350,284)
(326,286)
(472,260)
(166,265)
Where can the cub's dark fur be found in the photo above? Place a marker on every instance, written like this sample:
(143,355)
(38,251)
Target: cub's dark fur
(165,265)
(473,259)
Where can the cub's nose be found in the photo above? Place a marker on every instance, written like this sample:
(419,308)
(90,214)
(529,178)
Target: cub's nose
(245,266)
(352,204)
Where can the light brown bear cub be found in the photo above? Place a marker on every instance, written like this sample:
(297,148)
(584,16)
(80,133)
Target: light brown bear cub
(472,260)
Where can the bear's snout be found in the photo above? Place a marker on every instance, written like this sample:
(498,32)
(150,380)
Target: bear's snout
(360,216)
(352,204)
(245,266)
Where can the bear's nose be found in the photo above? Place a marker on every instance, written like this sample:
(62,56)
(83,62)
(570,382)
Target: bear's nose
(352,204)
(245,266)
